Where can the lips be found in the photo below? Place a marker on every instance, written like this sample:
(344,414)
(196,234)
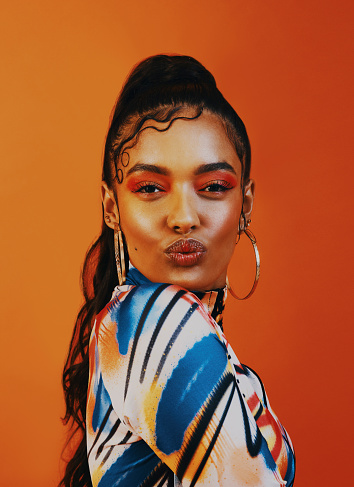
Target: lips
(185,252)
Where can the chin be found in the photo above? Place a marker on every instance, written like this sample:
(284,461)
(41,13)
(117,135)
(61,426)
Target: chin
(193,279)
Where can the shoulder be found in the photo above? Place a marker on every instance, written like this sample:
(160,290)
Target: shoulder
(136,309)
(143,299)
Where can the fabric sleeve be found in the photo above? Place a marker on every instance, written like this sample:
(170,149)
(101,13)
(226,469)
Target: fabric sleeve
(171,383)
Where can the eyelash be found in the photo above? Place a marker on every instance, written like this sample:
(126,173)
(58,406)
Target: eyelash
(142,187)
(219,186)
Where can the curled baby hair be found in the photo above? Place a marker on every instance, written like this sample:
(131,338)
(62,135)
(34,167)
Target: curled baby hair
(159,89)
(156,93)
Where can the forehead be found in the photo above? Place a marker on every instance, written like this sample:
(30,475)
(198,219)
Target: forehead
(186,142)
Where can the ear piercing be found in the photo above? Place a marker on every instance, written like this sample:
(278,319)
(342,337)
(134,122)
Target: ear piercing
(107,218)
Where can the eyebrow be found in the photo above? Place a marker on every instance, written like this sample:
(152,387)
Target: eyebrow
(214,166)
(202,169)
(148,167)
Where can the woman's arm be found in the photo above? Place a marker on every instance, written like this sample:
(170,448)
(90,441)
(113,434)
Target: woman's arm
(171,382)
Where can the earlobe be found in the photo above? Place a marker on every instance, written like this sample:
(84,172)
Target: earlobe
(111,215)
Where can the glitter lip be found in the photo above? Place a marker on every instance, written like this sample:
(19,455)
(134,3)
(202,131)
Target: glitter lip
(185,252)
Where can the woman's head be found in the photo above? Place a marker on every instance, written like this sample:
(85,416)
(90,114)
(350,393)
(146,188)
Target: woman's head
(176,169)
(157,89)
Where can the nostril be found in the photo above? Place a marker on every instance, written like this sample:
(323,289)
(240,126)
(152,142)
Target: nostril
(182,230)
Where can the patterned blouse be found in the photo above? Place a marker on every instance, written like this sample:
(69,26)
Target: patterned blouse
(169,404)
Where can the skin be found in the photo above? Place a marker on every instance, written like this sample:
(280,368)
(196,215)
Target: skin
(172,190)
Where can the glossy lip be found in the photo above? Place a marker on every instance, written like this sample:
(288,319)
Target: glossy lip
(185,252)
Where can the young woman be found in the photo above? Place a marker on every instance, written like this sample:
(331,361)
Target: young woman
(150,379)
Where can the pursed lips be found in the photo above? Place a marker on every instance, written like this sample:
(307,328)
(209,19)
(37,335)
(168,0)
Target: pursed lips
(185,252)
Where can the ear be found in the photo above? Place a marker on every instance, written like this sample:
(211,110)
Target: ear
(248,199)
(109,206)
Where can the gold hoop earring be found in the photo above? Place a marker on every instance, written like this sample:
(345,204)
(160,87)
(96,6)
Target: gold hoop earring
(119,254)
(258,265)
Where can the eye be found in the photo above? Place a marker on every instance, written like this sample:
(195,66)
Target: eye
(147,187)
(216,187)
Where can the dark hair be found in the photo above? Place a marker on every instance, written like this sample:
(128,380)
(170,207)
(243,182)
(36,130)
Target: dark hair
(158,89)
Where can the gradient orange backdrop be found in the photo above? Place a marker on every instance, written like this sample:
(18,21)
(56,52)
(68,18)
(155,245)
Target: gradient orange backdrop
(286,66)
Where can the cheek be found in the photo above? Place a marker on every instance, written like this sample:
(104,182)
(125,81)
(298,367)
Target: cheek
(137,225)
(225,222)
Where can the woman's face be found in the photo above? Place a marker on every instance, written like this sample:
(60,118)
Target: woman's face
(180,203)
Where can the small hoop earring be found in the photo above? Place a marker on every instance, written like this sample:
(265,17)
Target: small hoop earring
(119,254)
(258,265)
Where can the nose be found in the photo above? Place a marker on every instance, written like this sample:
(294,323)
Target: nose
(183,215)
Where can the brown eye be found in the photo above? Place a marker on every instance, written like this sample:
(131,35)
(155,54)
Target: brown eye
(216,187)
(147,187)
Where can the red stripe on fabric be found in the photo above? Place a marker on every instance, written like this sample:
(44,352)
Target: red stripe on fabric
(267,419)
(253,401)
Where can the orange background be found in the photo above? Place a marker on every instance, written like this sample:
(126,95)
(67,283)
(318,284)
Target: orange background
(285,66)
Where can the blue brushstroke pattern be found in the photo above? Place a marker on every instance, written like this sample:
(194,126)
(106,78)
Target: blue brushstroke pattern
(102,403)
(132,467)
(187,390)
(128,314)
